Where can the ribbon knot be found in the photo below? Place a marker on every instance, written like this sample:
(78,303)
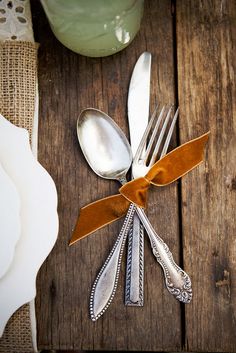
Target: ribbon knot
(135,191)
(165,171)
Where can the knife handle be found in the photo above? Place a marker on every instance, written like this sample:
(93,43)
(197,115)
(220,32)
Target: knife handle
(134,291)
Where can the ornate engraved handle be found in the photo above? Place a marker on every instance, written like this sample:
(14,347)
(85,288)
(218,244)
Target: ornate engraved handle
(177,281)
(105,284)
(135,264)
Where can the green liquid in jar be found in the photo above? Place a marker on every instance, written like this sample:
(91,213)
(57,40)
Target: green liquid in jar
(94,27)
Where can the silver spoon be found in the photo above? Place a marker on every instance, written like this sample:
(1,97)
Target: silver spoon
(108,153)
(104,145)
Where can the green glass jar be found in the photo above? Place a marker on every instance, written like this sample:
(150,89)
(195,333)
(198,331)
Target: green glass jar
(94,27)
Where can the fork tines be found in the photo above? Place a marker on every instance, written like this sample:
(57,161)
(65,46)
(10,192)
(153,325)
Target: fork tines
(157,136)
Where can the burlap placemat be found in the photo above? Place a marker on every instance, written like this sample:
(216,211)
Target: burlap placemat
(18,92)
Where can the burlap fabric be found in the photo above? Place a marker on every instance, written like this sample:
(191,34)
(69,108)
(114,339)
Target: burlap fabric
(18,86)
(17,334)
(18,77)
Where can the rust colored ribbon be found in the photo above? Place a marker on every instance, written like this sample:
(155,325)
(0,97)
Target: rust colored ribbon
(165,171)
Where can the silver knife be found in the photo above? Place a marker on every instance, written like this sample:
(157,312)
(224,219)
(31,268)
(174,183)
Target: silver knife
(138,113)
(105,284)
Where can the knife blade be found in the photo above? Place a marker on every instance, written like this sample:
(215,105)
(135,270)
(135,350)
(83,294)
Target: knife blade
(138,99)
(138,113)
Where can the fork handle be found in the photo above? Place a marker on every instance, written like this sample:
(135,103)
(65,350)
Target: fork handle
(177,281)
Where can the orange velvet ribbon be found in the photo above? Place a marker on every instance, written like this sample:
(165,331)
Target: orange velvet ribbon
(166,170)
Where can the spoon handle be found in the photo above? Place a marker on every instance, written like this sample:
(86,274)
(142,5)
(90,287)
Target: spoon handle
(105,284)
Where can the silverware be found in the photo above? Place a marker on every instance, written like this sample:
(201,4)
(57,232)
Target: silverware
(104,287)
(104,145)
(138,113)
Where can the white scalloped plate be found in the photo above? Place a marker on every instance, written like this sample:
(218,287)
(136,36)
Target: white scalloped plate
(9,220)
(39,219)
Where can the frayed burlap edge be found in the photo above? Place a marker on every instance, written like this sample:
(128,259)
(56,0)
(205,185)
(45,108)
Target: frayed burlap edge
(18,82)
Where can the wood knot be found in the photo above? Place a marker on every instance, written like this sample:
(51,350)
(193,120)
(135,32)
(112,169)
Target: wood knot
(53,290)
(231,182)
(215,253)
(225,281)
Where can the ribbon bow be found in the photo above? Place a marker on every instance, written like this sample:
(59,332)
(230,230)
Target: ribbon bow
(165,171)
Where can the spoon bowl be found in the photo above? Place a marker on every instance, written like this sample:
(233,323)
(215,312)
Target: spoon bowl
(103,144)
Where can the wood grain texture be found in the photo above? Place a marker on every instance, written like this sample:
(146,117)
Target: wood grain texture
(69,83)
(206,38)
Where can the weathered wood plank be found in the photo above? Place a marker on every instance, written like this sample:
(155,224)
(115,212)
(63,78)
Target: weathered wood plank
(206,43)
(68,83)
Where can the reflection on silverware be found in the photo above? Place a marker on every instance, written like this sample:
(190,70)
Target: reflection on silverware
(110,143)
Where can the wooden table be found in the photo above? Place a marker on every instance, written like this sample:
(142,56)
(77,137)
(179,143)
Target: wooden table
(193,44)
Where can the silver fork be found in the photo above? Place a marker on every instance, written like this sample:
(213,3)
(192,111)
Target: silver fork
(177,281)
(134,286)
